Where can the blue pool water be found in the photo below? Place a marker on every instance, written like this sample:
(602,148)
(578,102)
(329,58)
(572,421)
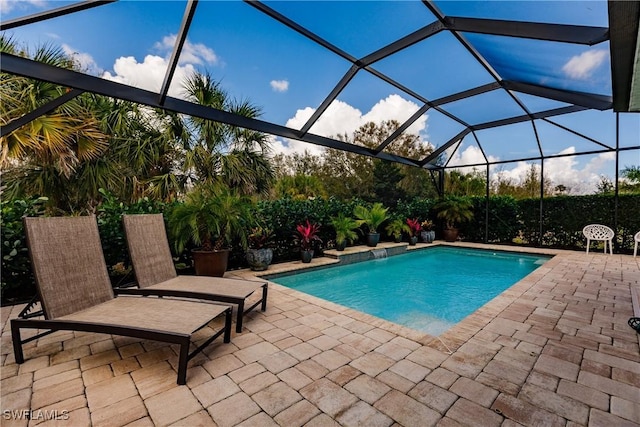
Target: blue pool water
(427,290)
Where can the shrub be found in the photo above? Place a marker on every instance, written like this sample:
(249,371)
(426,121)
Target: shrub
(17,283)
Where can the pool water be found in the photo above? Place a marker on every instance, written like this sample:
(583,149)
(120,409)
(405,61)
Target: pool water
(428,290)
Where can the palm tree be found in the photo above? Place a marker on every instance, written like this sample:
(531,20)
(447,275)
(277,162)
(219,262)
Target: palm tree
(42,156)
(220,152)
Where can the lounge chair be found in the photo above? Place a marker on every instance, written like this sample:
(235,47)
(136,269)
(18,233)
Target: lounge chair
(76,294)
(156,274)
(599,232)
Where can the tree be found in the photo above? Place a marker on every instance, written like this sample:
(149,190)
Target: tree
(386,180)
(631,181)
(43,156)
(465,184)
(217,151)
(347,175)
(605,186)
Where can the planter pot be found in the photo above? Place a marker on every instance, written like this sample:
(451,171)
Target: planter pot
(428,236)
(306,256)
(210,263)
(373,239)
(450,234)
(341,245)
(413,240)
(259,259)
(397,239)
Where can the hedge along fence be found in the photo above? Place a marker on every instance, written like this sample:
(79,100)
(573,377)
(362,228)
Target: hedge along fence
(510,221)
(565,216)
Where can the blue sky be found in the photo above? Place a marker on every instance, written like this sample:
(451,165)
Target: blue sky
(288,76)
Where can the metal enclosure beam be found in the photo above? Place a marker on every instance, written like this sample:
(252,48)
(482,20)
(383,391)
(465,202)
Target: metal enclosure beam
(350,74)
(588,100)
(189,11)
(402,128)
(60,11)
(31,69)
(576,34)
(624,22)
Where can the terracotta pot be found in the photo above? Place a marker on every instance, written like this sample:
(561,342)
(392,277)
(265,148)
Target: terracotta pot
(373,239)
(259,259)
(450,234)
(306,256)
(210,263)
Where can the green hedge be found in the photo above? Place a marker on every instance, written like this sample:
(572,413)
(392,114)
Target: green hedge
(17,279)
(510,221)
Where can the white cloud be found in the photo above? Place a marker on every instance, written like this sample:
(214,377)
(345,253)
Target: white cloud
(192,53)
(279,85)
(148,74)
(85,60)
(341,118)
(581,66)
(469,156)
(563,170)
(7,6)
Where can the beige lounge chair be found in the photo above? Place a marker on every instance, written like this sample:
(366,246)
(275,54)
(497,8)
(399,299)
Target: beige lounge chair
(76,294)
(156,275)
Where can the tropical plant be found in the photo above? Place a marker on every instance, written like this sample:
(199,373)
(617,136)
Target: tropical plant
(396,227)
(414,226)
(260,237)
(427,225)
(371,217)
(454,210)
(211,217)
(345,228)
(307,235)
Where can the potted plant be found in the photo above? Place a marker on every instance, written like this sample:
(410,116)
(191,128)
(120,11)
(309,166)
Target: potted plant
(372,218)
(427,234)
(345,230)
(395,228)
(305,237)
(211,217)
(259,255)
(453,210)
(414,230)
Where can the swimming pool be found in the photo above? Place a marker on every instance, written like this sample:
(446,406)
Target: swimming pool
(428,290)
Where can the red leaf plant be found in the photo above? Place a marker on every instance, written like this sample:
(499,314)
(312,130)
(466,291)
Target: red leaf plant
(414,226)
(306,235)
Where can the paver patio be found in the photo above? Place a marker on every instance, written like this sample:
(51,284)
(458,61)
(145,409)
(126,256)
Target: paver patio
(554,349)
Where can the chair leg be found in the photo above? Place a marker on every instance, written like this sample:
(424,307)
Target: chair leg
(182,363)
(635,249)
(264,297)
(588,244)
(227,325)
(239,317)
(17,342)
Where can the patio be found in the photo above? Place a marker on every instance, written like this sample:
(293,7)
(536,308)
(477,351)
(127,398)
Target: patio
(554,349)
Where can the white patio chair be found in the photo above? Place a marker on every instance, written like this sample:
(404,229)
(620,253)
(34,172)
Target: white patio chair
(599,232)
(635,246)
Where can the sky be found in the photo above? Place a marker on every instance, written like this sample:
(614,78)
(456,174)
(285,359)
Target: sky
(258,59)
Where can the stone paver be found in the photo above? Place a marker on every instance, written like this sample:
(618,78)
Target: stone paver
(552,350)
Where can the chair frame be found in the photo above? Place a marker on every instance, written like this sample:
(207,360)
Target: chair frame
(183,340)
(185,293)
(27,321)
(599,232)
(636,239)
